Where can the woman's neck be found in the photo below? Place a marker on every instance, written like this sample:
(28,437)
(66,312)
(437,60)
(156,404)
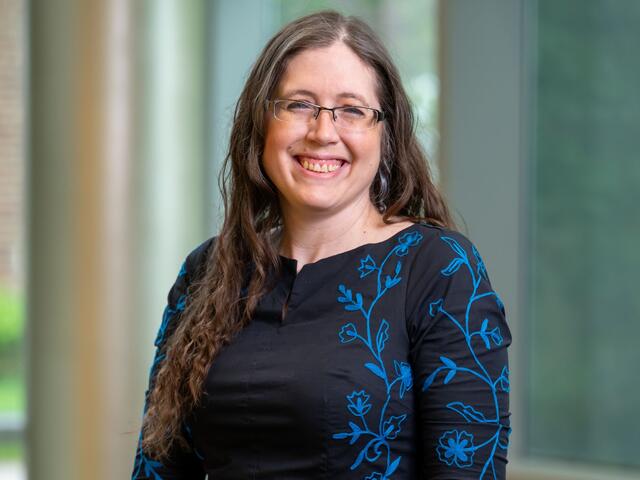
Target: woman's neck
(309,238)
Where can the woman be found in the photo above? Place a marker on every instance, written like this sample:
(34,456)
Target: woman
(338,327)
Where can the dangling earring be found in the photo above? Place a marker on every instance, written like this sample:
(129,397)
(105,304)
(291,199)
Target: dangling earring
(381,184)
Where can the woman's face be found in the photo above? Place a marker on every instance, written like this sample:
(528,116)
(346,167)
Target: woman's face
(332,76)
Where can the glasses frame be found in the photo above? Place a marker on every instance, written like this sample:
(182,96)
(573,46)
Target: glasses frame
(380,116)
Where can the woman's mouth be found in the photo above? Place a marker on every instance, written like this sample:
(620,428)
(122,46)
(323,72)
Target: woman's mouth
(319,165)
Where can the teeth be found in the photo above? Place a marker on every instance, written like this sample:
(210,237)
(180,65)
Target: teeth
(315,167)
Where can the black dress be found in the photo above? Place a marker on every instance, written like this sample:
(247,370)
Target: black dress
(389,363)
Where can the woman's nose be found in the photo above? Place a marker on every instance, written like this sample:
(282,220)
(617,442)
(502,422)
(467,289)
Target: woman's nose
(323,129)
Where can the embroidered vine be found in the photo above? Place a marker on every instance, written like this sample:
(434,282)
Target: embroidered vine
(457,448)
(386,427)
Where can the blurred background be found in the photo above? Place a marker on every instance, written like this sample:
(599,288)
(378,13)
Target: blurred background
(114,118)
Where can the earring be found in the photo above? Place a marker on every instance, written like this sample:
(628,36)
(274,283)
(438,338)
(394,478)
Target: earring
(381,185)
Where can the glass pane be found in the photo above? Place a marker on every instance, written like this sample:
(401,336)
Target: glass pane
(585,321)
(409,30)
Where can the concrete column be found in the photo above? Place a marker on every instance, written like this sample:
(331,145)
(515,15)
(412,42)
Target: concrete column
(111,216)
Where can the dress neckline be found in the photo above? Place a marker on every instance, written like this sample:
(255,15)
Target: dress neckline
(293,263)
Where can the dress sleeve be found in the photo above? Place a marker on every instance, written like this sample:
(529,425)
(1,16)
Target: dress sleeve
(181,465)
(459,339)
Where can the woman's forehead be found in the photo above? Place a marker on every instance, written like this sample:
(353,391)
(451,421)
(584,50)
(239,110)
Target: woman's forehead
(333,72)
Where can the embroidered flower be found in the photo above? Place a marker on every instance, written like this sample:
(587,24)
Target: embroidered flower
(367,265)
(403,371)
(456,447)
(391,427)
(358,403)
(406,240)
(348,333)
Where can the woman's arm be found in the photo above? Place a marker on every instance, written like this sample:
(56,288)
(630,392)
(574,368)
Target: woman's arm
(459,340)
(181,465)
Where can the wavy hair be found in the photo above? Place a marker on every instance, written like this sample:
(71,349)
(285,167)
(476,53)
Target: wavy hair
(222,298)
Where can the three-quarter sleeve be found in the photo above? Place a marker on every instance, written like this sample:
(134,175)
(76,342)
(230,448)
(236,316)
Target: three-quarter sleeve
(459,338)
(181,464)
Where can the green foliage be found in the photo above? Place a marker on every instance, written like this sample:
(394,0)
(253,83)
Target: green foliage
(11,451)
(12,398)
(11,318)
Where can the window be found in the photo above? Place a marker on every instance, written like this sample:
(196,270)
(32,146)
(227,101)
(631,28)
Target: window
(585,308)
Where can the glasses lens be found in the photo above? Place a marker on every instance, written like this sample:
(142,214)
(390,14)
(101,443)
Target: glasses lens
(293,110)
(355,118)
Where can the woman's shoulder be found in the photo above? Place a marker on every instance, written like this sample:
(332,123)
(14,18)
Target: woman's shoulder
(440,251)
(197,257)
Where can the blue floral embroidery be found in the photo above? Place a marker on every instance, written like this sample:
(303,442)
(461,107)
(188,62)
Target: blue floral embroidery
(388,427)
(457,447)
(142,462)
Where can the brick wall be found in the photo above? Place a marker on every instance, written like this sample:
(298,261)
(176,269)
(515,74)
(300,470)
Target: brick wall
(12,140)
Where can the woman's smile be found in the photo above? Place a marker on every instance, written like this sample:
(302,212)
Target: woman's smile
(320,166)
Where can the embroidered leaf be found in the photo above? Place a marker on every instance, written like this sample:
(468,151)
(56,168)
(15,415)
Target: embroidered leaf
(448,363)
(398,267)
(393,426)
(359,299)
(450,375)
(341,435)
(455,246)
(344,298)
(390,282)
(481,269)
(496,336)
(348,333)
(359,458)
(434,307)
(486,341)
(429,380)
(392,468)
(382,336)
(485,324)
(469,413)
(375,369)
(453,267)
(352,307)
(356,431)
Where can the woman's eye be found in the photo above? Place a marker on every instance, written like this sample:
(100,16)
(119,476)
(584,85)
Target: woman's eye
(298,106)
(354,111)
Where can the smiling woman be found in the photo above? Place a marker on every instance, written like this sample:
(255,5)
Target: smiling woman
(338,326)
(340,163)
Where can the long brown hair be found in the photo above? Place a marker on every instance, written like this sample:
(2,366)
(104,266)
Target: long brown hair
(221,300)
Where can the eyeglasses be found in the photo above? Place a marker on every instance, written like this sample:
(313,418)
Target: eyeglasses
(352,118)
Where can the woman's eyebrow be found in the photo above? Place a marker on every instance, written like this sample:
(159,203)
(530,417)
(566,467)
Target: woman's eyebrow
(306,93)
(355,96)
(340,95)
